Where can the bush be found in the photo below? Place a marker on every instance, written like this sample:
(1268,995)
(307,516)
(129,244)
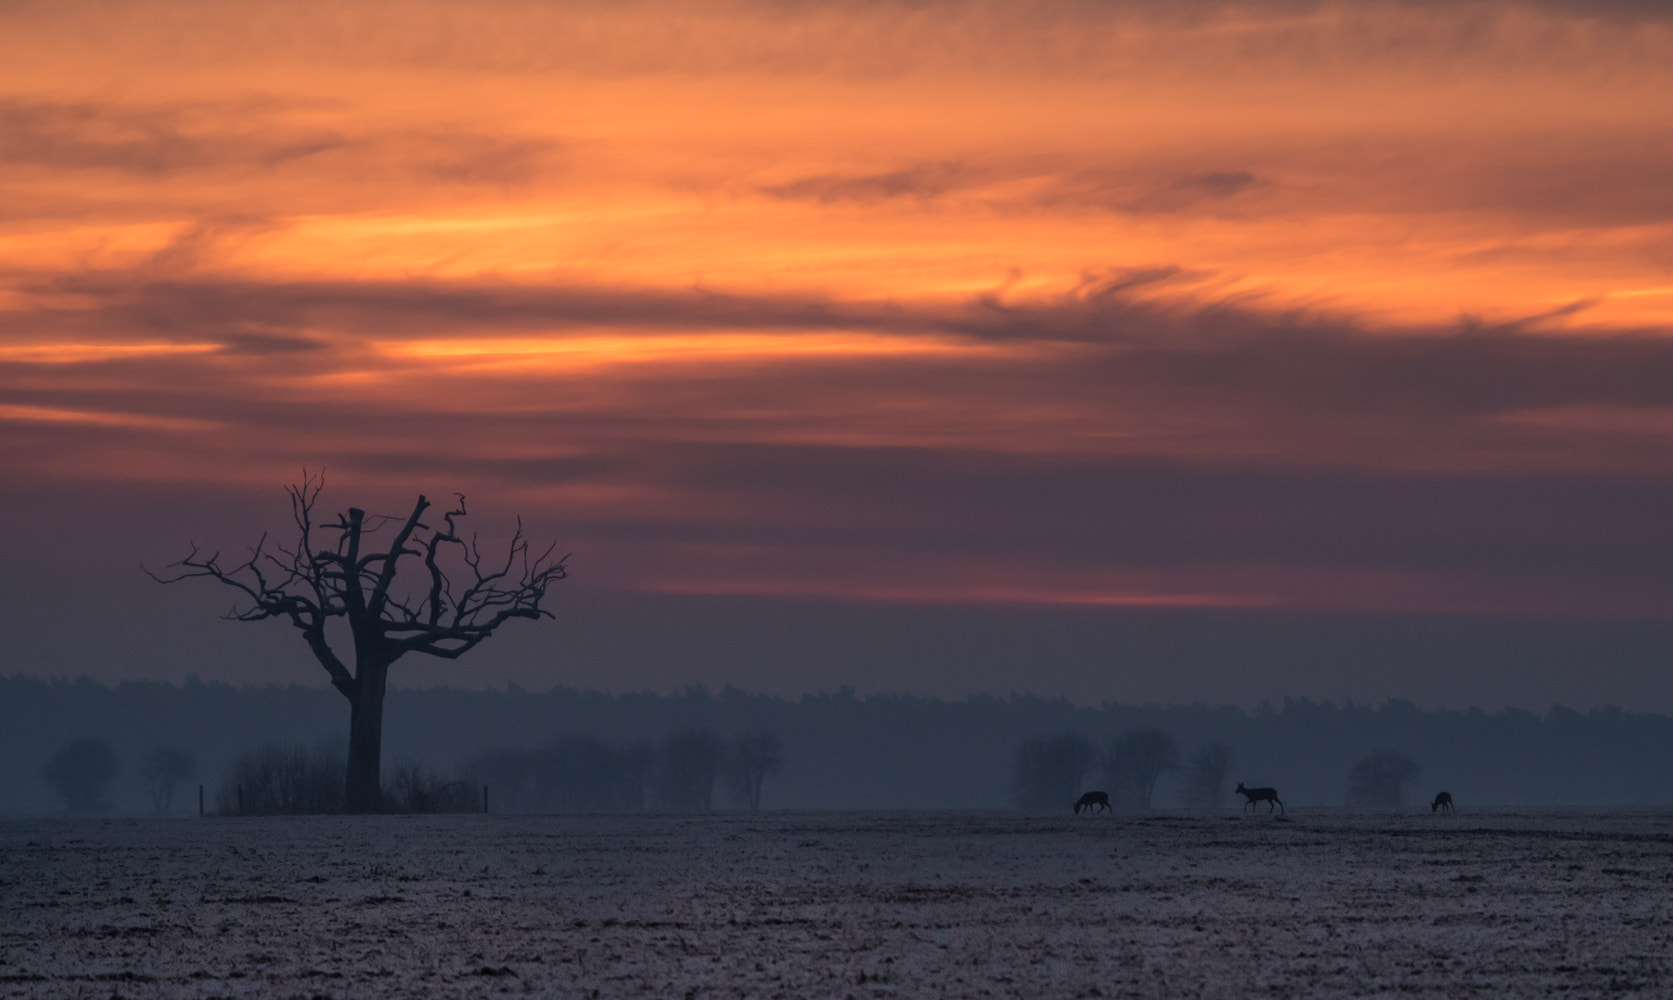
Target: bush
(284,780)
(410,787)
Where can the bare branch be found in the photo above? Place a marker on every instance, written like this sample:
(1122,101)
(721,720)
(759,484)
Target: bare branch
(380,591)
(312,581)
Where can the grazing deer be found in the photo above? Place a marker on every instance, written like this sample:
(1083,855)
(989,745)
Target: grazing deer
(1254,795)
(1092,802)
(1442,801)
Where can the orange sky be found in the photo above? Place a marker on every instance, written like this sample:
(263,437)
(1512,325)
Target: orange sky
(890,302)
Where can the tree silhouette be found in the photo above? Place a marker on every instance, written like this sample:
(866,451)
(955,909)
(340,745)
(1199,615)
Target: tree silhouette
(1380,779)
(1136,760)
(337,571)
(164,768)
(691,760)
(1049,772)
(80,772)
(756,755)
(1205,775)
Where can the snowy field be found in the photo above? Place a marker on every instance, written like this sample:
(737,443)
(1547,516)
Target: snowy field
(1325,904)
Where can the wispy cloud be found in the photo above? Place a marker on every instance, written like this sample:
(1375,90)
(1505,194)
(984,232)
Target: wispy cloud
(919,181)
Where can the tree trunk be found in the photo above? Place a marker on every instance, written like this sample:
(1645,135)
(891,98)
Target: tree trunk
(363,792)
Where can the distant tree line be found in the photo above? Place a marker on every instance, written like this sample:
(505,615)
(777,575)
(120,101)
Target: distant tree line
(840,750)
(681,773)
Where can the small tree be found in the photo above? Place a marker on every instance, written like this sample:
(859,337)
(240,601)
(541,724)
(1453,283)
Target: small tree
(164,768)
(81,772)
(1049,772)
(755,755)
(1380,779)
(1135,762)
(691,760)
(457,600)
(1205,776)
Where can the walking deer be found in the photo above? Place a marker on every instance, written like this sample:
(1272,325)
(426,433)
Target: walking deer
(1254,795)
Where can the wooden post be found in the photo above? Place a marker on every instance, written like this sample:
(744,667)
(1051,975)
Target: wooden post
(200,802)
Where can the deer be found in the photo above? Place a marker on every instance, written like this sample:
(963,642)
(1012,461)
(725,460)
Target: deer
(1442,801)
(1254,795)
(1092,802)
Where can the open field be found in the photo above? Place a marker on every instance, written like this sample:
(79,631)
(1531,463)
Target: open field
(843,904)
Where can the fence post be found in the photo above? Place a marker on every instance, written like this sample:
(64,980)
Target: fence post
(200,802)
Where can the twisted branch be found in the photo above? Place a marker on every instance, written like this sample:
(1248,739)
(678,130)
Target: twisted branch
(310,585)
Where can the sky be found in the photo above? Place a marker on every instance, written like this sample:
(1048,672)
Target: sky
(1189,351)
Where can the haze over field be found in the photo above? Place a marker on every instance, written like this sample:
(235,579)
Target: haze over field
(1218,351)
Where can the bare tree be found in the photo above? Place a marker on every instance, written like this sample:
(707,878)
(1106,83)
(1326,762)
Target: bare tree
(80,772)
(1136,760)
(164,768)
(690,761)
(1380,779)
(457,600)
(1048,773)
(1205,775)
(757,754)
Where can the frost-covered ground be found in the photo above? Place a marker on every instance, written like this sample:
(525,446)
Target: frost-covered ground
(863,905)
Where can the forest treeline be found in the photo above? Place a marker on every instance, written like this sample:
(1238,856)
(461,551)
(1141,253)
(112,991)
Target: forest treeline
(571,750)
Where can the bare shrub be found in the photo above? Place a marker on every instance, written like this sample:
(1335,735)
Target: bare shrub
(412,787)
(283,779)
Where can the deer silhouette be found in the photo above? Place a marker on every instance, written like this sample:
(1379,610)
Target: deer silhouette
(1092,802)
(1442,801)
(1254,795)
